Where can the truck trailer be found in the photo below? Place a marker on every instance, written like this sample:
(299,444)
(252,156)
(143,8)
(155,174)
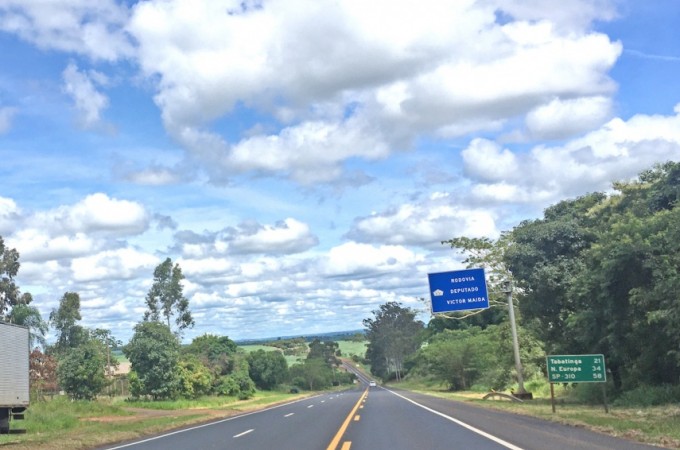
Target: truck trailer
(14,390)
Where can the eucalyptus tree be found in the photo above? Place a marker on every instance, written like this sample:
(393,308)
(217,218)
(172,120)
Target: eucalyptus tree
(166,297)
(65,321)
(9,267)
(393,334)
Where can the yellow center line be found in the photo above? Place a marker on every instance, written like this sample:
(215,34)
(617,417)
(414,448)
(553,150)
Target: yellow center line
(346,445)
(336,440)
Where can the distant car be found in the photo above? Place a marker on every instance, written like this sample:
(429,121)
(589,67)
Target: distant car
(372,383)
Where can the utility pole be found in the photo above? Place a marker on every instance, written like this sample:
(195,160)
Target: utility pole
(522,393)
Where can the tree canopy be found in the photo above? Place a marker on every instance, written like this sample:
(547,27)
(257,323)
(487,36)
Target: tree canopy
(601,274)
(166,297)
(393,334)
(153,352)
(65,320)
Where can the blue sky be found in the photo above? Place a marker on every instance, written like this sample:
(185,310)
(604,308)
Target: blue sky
(303,161)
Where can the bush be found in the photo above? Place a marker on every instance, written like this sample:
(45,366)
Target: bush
(195,378)
(649,396)
(153,352)
(81,371)
(589,393)
(237,385)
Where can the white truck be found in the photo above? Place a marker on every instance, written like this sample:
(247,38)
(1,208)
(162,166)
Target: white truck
(14,352)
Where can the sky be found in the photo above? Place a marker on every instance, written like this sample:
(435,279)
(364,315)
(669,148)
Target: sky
(303,160)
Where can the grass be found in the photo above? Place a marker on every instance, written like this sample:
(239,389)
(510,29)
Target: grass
(349,348)
(658,425)
(59,423)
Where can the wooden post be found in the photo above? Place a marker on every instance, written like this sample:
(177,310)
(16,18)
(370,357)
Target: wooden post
(552,397)
(604,396)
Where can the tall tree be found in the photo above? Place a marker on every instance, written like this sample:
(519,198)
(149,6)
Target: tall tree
(9,267)
(392,335)
(65,320)
(327,351)
(166,297)
(29,316)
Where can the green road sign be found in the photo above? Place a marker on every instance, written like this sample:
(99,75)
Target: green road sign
(576,369)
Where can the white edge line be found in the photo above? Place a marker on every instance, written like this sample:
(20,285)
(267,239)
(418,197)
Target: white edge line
(244,433)
(462,424)
(289,414)
(206,424)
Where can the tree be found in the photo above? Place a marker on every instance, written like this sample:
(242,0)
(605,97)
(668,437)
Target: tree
(82,370)
(311,374)
(166,297)
(153,352)
(108,341)
(327,351)
(392,335)
(601,274)
(42,373)
(29,316)
(9,267)
(65,320)
(267,369)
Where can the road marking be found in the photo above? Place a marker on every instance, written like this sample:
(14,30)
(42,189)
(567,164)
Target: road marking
(217,422)
(336,440)
(357,417)
(244,433)
(289,414)
(310,406)
(346,445)
(323,401)
(462,424)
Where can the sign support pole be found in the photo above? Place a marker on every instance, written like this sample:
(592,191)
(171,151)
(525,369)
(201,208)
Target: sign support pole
(604,396)
(507,285)
(552,397)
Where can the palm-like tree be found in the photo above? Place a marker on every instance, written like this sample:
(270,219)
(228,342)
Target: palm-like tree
(29,316)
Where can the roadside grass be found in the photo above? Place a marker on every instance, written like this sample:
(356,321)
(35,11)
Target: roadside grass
(659,425)
(213,402)
(59,424)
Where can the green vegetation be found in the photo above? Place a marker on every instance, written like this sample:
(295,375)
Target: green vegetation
(599,274)
(353,347)
(393,334)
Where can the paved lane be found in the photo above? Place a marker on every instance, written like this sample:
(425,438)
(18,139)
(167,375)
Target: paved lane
(400,420)
(305,424)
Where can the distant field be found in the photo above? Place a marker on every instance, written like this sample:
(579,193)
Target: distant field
(347,348)
(255,347)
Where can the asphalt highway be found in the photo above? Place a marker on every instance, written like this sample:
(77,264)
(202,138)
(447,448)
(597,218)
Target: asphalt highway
(377,418)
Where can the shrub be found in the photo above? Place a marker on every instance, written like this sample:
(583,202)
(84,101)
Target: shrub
(649,396)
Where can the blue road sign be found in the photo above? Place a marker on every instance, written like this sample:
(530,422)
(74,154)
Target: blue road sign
(458,290)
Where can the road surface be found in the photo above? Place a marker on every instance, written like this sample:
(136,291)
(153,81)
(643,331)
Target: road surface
(377,418)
